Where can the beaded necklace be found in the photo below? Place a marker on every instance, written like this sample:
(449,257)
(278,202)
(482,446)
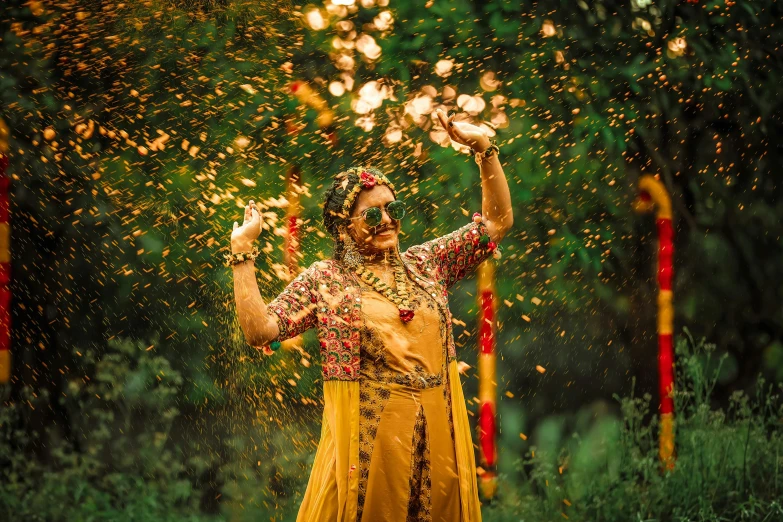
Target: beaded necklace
(400,296)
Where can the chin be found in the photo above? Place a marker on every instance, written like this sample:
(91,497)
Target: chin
(386,242)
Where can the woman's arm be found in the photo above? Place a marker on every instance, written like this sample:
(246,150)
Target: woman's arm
(257,325)
(495,196)
(254,318)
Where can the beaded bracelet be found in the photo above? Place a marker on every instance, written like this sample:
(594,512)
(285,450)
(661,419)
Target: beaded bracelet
(270,348)
(239,257)
(480,156)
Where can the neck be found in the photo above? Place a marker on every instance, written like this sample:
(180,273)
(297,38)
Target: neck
(379,257)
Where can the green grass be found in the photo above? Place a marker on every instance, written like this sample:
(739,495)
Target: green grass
(124,460)
(728,461)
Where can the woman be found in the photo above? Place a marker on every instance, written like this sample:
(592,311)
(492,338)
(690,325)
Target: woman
(395,440)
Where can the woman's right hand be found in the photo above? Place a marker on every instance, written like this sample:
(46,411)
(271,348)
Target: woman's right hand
(242,237)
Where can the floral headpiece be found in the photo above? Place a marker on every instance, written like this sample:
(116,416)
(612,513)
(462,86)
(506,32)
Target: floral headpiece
(368,178)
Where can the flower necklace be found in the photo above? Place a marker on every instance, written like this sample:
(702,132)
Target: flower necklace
(400,296)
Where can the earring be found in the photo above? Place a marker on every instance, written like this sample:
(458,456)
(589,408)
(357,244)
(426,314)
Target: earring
(351,256)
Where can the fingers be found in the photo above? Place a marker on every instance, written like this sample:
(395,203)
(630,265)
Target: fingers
(458,132)
(249,208)
(443,122)
(254,212)
(447,123)
(236,226)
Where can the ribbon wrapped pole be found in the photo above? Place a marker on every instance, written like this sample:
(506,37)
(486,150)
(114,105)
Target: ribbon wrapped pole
(291,243)
(291,251)
(307,96)
(654,197)
(291,254)
(487,379)
(5,260)
(310,98)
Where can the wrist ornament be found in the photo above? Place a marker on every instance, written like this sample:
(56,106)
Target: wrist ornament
(270,348)
(241,257)
(481,156)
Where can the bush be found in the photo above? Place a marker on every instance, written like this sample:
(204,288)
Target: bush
(125,460)
(727,469)
(117,460)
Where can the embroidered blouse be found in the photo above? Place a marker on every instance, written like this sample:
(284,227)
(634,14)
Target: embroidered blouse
(327,296)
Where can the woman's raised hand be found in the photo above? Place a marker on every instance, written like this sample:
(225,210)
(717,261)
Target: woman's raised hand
(464,133)
(242,237)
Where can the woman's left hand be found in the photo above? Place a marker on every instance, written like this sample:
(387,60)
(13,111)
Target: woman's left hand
(464,133)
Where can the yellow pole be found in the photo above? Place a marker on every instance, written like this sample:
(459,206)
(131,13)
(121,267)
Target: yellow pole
(653,196)
(5,260)
(487,379)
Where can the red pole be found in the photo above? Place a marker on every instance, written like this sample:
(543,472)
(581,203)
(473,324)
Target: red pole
(487,426)
(5,261)
(653,196)
(307,96)
(291,252)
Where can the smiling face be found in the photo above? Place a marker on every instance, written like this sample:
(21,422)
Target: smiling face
(373,240)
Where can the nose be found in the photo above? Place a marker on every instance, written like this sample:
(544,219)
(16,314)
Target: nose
(385,217)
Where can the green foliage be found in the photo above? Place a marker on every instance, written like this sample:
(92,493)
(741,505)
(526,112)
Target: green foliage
(140,129)
(728,464)
(118,461)
(125,461)
(168,116)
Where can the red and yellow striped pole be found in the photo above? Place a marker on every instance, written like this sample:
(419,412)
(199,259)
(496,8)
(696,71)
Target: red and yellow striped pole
(291,249)
(291,242)
(653,196)
(291,239)
(306,95)
(487,378)
(291,254)
(5,260)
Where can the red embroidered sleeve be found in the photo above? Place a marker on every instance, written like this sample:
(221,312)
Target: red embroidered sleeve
(295,307)
(456,254)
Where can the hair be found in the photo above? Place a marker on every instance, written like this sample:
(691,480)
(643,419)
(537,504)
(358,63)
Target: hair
(343,186)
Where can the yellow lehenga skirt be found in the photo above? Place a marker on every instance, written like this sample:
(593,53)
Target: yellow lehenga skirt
(396,444)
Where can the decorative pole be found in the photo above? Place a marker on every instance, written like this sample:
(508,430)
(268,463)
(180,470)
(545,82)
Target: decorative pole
(5,260)
(653,196)
(307,96)
(487,378)
(291,251)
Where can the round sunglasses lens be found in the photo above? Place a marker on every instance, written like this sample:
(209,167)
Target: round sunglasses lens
(373,216)
(396,210)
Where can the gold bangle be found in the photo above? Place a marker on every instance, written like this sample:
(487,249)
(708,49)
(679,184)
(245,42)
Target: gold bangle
(240,257)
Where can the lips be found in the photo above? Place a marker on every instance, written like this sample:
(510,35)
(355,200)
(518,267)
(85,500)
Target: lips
(386,232)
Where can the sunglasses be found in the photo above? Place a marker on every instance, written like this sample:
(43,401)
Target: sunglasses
(373,216)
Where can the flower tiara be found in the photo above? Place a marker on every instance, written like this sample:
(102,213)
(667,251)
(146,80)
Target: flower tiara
(367,180)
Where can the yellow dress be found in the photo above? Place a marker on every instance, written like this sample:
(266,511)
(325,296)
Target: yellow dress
(407,463)
(400,434)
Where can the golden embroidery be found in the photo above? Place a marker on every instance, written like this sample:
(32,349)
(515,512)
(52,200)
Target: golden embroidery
(447,399)
(375,375)
(373,365)
(373,397)
(420,501)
